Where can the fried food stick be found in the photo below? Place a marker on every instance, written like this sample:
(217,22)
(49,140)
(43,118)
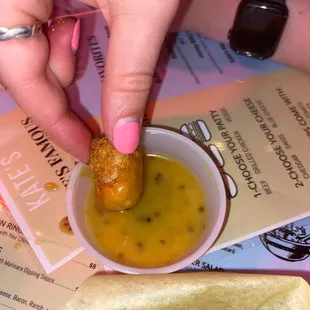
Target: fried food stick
(118,177)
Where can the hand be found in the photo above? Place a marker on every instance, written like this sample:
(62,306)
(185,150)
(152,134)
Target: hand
(137,31)
(35,71)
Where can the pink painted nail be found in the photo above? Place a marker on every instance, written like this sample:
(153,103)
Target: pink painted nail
(76,37)
(49,23)
(126,137)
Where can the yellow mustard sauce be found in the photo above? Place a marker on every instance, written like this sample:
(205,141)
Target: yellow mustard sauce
(165,224)
(51,186)
(17,245)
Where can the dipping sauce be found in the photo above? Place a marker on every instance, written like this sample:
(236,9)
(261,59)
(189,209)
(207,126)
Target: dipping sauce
(51,186)
(65,227)
(163,227)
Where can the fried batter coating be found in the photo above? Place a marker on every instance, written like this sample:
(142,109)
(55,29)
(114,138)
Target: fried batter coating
(118,177)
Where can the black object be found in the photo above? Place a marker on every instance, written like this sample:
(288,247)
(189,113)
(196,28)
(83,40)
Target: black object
(258,27)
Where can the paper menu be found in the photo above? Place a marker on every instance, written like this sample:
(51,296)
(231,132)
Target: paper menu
(258,133)
(24,284)
(24,156)
(286,253)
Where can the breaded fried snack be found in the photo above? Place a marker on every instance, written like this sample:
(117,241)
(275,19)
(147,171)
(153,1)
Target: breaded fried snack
(118,177)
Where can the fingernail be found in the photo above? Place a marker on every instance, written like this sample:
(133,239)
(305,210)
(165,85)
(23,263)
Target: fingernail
(126,136)
(49,23)
(76,37)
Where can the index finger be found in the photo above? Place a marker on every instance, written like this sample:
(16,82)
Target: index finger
(43,100)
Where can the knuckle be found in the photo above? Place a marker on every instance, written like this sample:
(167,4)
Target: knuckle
(138,82)
(57,120)
(51,119)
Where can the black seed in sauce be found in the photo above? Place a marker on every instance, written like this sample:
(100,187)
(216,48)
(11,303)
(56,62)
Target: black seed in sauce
(144,219)
(140,245)
(190,228)
(201,209)
(162,242)
(157,214)
(182,187)
(120,256)
(158,178)
(204,226)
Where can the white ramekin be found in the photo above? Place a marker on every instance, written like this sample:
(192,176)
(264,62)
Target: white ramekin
(170,143)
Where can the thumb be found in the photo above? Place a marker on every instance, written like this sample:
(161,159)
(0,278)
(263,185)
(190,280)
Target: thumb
(138,29)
